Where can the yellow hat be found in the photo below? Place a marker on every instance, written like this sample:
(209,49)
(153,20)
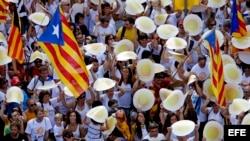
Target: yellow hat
(39,18)
(164,93)
(49,85)
(241,43)
(123,45)
(4,58)
(165,3)
(246,120)
(177,56)
(145,70)
(98,114)
(14,94)
(183,127)
(219,35)
(216,3)
(192,78)
(159,68)
(143,99)
(167,31)
(126,55)
(244,56)
(238,106)
(160,18)
(232,74)
(36,55)
(213,131)
(193,24)
(176,43)
(208,90)
(67,92)
(96,2)
(145,24)
(233,91)
(227,59)
(102,84)
(174,101)
(111,124)
(95,48)
(133,7)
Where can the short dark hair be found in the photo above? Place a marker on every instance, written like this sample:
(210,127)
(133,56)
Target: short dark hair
(78,16)
(38,108)
(104,19)
(130,20)
(14,123)
(153,125)
(202,57)
(43,68)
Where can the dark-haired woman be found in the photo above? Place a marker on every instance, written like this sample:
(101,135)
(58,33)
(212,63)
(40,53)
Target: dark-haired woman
(140,127)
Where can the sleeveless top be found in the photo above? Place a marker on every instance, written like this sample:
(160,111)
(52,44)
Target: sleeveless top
(94,133)
(76,133)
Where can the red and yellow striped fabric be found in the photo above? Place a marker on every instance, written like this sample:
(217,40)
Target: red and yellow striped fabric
(3,11)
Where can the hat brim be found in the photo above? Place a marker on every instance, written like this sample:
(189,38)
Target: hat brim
(126,55)
(143,99)
(48,86)
(192,78)
(67,92)
(238,106)
(14,94)
(111,124)
(164,93)
(145,24)
(39,18)
(216,3)
(232,74)
(96,2)
(244,56)
(98,114)
(177,56)
(193,24)
(123,45)
(145,70)
(4,58)
(167,31)
(232,91)
(95,48)
(102,84)
(36,55)
(198,8)
(165,3)
(133,7)
(160,19)
(183,127)
(246,120)
(213,131)
(176,43)
(174,101)
(241,43)
(208,89)
(159,68)
(227,59)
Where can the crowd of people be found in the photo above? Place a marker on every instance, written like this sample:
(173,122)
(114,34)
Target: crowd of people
(181,91)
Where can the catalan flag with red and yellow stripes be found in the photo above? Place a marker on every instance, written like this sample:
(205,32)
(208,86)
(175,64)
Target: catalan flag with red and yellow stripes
(3,10)
(15,44)
(216,74)
(60,45)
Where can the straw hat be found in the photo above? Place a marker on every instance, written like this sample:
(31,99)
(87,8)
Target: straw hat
(98,114)
(233,91)
(13,1)
(167,31)
(232,74)
(216,3)
(145,24)
(227,59)
(96,2)
(183,127)
(111,124)
(39,18)
(142,1)
(208,90)
(219,35)
(145,70)
(164,93)
(174,101)
(192,78)
(213,131)
(159,68)
(165,3)
(238,106)
(160,18)
(198,8)
(67,92)
(4,58)
(133,7)
(241,43)
(193,24)
(176,43)
(143,99)
(126,55)
(123,45)
(177,56)
(95,48)
(14,94)
(244,56)
(102,84)
(36,55)
(246,120)
(49,85)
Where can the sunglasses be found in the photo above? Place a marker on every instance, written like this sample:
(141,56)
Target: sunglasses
(111,38)
(81,97)
(32,105)
(213,24)
(38,61)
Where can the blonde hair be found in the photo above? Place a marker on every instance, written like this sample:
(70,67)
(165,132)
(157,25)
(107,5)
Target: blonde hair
(58,116)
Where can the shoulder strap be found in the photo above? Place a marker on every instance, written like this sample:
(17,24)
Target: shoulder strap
(35,82)
(123,32)
(191,44)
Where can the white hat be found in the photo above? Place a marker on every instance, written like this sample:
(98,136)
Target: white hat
(160,18)
(232,74)
(213,131)
(165,3)
(219,36)
(123,45)
(36,55)
(233,91)
(143,99)
(216,3)
(133,7)
(126,55)
(102,84)
(198,8)
(39,18)
(98,114)
(14,94)
(246,120)
(167,31)
(208,90)
(145,24)
(174,101)
(192,78)
(111,124)
(177,56)
(227,59)
(183,127)
(13,1)
(95,48)
(176,43)
(164,93)
(145,70)
(244,56)
(241,43)
(68,92)
(238,106)
(4,58)
(159,68)
(193,24)
(49,85)
(96,2)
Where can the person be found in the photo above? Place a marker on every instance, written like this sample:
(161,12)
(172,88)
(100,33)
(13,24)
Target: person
(127,31)
(153,133)
(122,124)
(58,127)
(15,134)
(30,112)
(140,127)
(67,135)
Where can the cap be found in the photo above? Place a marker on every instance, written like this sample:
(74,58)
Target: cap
(14,81)
(180,22)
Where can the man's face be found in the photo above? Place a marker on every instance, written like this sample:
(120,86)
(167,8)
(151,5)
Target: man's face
(44,74)
(153,132)
(95,66)
(40,115)
(128,25)
(14,131)
(202,63)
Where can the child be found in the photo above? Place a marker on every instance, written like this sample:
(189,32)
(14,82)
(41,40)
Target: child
(58,127)
(95,130)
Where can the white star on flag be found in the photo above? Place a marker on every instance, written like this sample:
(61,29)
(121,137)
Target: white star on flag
(56,30)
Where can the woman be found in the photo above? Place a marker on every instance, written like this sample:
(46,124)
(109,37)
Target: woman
(74,125)
(140,127)
(106,10)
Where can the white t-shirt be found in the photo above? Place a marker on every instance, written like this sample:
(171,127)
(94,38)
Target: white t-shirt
(125,99)
(202,73)
(140,50)
(103,32)
(104,99)
(58,131)
(159,137)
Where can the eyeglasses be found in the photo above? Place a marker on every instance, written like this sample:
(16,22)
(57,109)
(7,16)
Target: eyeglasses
(38,61)
(32,105)
(66,4)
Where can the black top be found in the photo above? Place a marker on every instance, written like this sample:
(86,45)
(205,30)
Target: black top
(21,137)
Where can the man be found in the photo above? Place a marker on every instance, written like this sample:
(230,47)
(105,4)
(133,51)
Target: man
(30,112)
(201,69)
(153,133)
(15,134)
(246,90)
(38,128)
(127,31)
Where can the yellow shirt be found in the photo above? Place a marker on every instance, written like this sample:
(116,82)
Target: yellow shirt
(129,34)
(29,115)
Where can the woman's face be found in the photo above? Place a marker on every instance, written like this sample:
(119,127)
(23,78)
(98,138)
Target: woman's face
(72,117)
(125,72)
(173,119)
(141,118)
(46,98)
(106,10)
(111,39)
